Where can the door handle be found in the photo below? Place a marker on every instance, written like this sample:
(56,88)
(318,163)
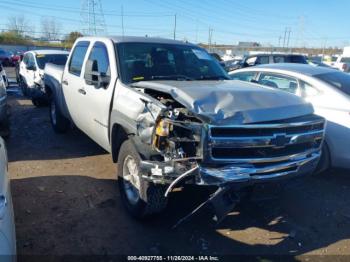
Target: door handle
(82,91)
(65,82)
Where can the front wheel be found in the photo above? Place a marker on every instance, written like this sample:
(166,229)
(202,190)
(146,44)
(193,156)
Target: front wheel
(59,123)
(140,197)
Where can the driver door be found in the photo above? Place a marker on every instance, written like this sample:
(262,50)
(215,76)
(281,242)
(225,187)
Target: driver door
(99,98)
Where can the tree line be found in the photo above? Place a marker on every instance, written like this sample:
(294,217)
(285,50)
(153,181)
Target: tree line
(20,31)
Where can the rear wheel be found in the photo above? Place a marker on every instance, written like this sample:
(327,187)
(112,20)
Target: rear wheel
(59,123)
(140,197)
(23,86)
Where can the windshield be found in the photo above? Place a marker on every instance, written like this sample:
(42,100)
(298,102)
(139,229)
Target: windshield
(339,80)
(53,59)
(156,61)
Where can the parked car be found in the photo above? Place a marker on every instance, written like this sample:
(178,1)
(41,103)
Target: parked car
(5,58)
(260,59)
(16,57)
(170,116)
(329,92)
(318,63)
(7,223)
(233,64)
(342,63)
(4,120)
(3,76)
(31,72)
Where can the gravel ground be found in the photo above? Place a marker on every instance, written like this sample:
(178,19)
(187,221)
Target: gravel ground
(66,203)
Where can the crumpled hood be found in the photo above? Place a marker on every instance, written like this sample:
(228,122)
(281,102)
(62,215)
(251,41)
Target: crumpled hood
(232,102)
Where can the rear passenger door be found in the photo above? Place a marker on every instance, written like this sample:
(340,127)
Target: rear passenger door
(281,82)
(73,84)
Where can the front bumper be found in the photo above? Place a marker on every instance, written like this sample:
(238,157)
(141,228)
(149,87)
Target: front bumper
(296,167)
(239,174)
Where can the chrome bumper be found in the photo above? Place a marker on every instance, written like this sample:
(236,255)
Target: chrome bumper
(295,167)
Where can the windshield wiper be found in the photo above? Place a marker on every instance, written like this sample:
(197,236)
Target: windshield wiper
(213,78)
(172,77)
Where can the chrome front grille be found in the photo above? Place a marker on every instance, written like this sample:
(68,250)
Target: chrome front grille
(265,142)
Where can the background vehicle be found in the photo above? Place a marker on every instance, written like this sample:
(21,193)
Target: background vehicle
(31,71)
(318,63)
(3,76)
(327,89)
(261,59)
(7,223)
(342,63)
(169,117)
(16,57)
(4,120)
(233,64)
(5,58)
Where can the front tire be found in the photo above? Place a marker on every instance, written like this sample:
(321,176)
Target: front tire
(59,123)
(140,197)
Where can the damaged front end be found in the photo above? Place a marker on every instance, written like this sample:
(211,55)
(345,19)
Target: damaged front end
(191,149)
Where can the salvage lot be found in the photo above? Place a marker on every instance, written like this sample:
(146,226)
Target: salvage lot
(66,202)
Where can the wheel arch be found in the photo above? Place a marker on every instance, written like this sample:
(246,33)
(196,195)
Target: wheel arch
(118,136)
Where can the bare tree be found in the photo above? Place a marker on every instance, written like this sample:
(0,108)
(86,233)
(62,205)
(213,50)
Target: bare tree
(18,24)
(50,28)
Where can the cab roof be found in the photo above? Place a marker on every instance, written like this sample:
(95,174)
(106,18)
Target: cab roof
(137,39)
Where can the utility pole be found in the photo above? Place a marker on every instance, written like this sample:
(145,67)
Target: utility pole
(210,38)
(123,32)
(196,31)
(279,41)
(92,17)
(284,39)
(289,32)
(175,25)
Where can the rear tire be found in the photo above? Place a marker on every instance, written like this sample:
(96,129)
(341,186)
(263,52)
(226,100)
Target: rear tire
(39,102)
(59,123)
(140,197)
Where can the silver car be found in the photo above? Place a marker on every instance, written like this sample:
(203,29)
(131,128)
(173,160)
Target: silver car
(7,224)
(329,92)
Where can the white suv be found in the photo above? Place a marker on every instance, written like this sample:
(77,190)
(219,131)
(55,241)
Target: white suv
(31,71)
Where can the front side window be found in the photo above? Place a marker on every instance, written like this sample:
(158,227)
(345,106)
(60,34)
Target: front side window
(263,60)
(279,59)
(100,55)
(157,61)
(244,76)
(281,82)
(55,59)
(345,60)
(78,56)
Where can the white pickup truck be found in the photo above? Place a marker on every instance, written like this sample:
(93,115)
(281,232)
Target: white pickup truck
(170,116)
(342,63)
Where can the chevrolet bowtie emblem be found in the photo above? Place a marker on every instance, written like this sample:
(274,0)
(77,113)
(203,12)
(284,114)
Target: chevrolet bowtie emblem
(280,140)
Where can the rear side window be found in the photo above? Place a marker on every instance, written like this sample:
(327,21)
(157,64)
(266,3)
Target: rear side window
(100,55)
(281,82)
(77,60)
(244,76)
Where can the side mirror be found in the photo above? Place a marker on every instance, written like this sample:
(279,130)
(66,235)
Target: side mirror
(93,77)
(31,67)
